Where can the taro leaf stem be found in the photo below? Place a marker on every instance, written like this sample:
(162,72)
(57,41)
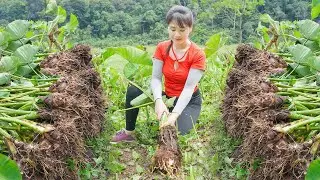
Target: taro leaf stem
(18,128)
(18,96)
(294,115)
(10,145)
(308,112)
(5,133)
(282,85)
(144,91)
(309,103)
(142,105)
(308,89)
(308,128)
(25,87)
(35,126)
(12,90)
(292,127)
(13,104)
(13,111)
(31,116)
(304,94)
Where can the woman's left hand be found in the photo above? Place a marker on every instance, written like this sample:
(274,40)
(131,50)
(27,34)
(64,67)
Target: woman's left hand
(172,118)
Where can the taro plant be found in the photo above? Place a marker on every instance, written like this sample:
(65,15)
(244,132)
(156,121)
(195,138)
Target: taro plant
(129,63)
(297,41)
(16,53)
(24,43)
(219,60)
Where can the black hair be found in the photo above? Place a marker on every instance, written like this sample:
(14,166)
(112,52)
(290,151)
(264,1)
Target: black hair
(180,14)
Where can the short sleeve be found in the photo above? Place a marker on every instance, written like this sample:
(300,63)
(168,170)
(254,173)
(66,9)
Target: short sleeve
(199,61)
(158,54)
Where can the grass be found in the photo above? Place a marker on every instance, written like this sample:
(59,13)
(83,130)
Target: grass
(206,149)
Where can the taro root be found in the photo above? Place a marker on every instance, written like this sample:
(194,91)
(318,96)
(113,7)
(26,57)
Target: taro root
(67,62)
(168,157)
(47,155)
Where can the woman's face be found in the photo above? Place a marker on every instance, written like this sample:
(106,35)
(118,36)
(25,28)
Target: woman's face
(177,34)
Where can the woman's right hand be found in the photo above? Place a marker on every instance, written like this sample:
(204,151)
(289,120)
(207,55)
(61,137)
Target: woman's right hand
(160,108)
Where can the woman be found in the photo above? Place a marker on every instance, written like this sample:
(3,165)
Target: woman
(182,63)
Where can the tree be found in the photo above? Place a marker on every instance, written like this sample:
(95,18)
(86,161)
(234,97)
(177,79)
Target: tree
(236,10)
(78,7)
(12,10)
(125,19)
(287,9)
(35,9)
(147,21)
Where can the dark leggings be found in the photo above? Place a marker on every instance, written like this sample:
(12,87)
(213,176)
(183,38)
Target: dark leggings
(186,120)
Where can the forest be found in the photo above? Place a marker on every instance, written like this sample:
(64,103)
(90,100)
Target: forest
(107,23)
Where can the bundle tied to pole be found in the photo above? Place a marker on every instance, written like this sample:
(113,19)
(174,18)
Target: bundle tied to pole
(167,158)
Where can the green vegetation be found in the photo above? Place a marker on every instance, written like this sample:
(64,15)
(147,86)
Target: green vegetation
(125,160)
(32,30)
(23,44)
(113,23)
(9,169)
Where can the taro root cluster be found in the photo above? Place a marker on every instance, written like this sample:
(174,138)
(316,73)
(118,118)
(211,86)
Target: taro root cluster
(167,158)
(250,111)
(75,108)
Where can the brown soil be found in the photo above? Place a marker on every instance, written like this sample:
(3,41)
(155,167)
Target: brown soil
(131,163)
(251,109)
(168,156)
(76,110)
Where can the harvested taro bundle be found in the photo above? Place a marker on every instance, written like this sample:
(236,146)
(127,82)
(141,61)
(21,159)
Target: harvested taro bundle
(168,157)
(276,130)
(51,130)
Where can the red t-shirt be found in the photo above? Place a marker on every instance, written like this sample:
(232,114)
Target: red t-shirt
(174,80)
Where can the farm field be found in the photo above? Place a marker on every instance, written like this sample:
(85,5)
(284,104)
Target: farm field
(133,160)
